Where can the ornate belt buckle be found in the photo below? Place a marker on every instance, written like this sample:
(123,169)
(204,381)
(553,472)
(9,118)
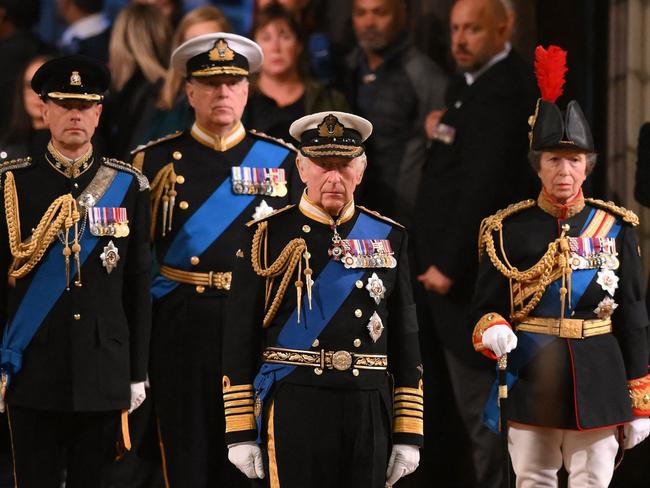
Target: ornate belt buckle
(571,329)
(341,360)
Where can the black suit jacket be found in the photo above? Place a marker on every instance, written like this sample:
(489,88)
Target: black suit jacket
(484,169)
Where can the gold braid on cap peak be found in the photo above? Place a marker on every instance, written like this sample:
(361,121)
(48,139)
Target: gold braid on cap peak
(529,284)
(61,215)
(284,265)
(163,190)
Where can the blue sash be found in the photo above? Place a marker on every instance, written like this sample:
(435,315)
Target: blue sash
(214,216)
(48,284)
(530,344)
(330,290)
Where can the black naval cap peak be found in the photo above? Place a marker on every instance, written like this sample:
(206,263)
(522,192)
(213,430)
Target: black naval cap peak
(331,134)
(550,128)
(74,77)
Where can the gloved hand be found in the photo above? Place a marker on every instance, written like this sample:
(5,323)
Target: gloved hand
(138,395)
(500,339)
(247,456)
(636,432)
(404,459)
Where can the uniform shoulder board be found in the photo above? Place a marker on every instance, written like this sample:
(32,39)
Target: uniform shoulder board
(493,222)
(380,216)
(143,182)
(282,142)
(627,215)
(275,212)
(15,164)
(149,144)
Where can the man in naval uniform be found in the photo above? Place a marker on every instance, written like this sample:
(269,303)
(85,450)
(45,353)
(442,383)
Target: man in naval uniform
(560,292)
(321,359)
(74,246)
(206,184)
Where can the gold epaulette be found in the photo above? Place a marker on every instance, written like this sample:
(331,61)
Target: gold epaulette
(149,144)
(493,222)
(627,215)
(143,182)
(250,223)
(15,164)
(282,142)
(380,216)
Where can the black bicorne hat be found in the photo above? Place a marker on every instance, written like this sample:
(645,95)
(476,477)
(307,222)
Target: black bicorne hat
(73,77)
(550,128)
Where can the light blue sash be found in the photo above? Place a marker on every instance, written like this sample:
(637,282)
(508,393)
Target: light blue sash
(48,284)
(213,217)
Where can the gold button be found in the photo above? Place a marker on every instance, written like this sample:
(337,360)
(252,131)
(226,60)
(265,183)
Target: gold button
(357,343)
(77,316)
(177,155)
(194,260)
(316,343)
(355,372)
(306,229)
(358,313)
(200,288)
(184,205)
(318,371)
(359,284)
(180,179)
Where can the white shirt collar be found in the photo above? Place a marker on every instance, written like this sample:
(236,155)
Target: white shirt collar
(84,28)
(472,77)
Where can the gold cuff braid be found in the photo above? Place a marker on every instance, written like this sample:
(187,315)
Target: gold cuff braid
(408,410)
(238,406)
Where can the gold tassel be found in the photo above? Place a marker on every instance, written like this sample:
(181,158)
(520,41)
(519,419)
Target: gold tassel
(308,274)
(165,200)
(299,285)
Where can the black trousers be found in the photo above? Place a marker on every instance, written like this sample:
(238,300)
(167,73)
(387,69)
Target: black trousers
(185,375)
(46,444)
(323,437)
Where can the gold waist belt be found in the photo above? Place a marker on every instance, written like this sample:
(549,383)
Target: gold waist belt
(212,279)
(568,328)
(320,360)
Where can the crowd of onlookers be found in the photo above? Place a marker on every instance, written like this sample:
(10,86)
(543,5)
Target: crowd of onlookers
(447,148)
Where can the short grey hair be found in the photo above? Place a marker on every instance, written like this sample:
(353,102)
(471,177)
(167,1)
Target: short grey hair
(535,159)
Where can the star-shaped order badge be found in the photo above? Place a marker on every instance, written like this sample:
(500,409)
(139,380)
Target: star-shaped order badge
(262,210)
(110,257)
(608,281)
(376,288)
(375,327)
(605,308)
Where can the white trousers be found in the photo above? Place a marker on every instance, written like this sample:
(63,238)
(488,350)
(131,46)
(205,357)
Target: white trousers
(538,453)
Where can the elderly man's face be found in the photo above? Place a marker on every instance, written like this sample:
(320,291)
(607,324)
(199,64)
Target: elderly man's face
(218,101)
(331,181)
(562,173)
(479,30)
(377,22)
(72,123)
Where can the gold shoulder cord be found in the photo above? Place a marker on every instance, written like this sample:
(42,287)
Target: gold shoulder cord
(284,265)
(553,264)
(61,214)
(163,189)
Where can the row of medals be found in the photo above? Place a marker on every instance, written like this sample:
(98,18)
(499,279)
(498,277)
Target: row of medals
(338,253)
(267,188)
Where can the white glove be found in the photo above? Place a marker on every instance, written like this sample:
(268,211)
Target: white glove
(404,459)
(138,395)
(247,456)
(500,339)
(636,432)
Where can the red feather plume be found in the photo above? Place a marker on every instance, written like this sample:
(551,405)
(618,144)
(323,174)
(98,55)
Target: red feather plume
(550,67)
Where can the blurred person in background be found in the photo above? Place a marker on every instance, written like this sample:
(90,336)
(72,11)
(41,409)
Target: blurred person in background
(88,30)
(17,46)
(395,86)
(138,58)
(283,92)
(28,129)
(172,9)
(173,112)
